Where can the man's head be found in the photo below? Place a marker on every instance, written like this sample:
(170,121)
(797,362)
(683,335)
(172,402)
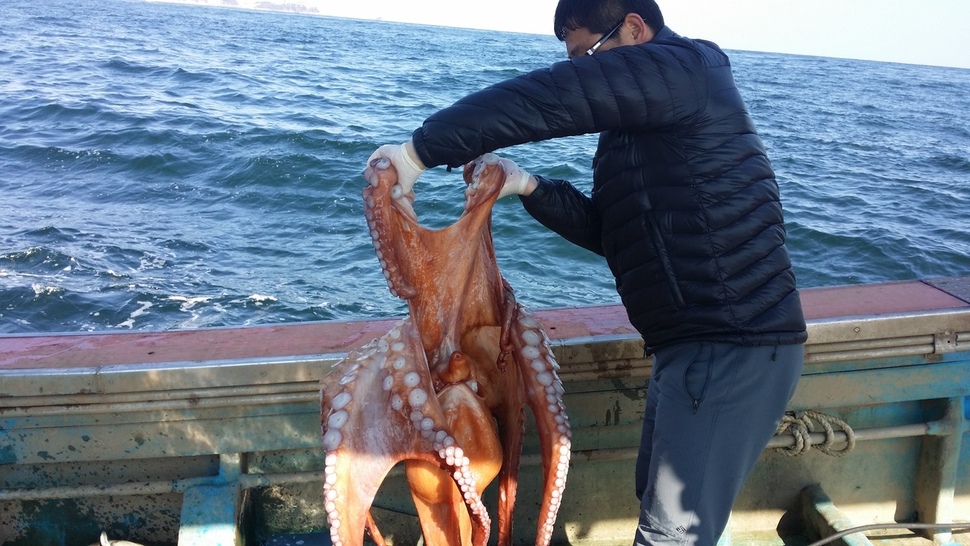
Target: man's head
(588,26)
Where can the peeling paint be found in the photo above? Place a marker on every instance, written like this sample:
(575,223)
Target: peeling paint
(8,455)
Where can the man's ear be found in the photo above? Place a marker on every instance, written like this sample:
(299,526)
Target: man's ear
(639,30)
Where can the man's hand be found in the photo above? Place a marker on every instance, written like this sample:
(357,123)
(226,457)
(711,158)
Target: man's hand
(517,180)
(405,160)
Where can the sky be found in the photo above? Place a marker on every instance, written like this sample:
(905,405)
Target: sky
(933,32)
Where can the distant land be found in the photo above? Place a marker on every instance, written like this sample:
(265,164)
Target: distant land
(309,7)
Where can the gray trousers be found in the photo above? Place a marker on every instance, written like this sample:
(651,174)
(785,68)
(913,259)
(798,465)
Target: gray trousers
(711,409)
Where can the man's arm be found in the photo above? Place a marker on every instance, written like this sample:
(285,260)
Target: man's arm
(635,88)
(561,207)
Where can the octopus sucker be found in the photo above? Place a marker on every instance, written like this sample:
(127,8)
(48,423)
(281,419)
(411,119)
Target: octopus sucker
(444,391)
(417,397)
(341,400)
(411,379)
(332,439)
(530,337)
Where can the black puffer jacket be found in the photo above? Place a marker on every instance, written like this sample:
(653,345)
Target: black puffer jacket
(684,204)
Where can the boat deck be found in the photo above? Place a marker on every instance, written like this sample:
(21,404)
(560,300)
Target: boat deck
(212,436)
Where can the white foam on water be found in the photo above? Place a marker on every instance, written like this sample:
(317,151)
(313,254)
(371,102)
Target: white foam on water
(130,323)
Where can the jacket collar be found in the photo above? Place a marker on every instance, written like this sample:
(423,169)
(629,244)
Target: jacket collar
(665,32)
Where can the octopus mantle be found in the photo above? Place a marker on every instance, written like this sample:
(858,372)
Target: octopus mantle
(445,390)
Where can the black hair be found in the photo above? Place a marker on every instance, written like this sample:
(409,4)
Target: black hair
(600,16)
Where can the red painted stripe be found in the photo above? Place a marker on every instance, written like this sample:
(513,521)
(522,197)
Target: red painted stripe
(102,349)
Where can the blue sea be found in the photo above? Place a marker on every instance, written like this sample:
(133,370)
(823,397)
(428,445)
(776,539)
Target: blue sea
(167,166)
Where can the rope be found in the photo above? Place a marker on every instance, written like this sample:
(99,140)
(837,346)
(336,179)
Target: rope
(799,424)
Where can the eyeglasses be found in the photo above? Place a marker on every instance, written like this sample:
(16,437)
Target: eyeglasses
(605,37)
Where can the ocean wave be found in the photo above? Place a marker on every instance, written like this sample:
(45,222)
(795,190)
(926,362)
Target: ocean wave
(161,174)
(39,260)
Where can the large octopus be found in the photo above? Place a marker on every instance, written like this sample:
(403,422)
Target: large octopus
(444,391)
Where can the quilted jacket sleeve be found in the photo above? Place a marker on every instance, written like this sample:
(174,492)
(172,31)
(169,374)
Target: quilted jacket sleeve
(636,88)
(547,205)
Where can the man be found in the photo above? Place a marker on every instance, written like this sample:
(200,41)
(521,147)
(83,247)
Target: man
(685,209)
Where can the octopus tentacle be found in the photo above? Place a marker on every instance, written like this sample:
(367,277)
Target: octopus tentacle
(445,390)
(385,203)
(374,532)
(512,426)
(415,428)
(544,394)
(478,447)
(508,317)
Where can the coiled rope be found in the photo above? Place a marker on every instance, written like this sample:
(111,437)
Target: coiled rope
(800,425)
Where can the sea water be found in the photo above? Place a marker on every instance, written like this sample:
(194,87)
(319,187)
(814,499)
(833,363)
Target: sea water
(166,166)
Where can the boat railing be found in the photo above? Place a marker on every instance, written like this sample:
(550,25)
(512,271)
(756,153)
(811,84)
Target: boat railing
(205,436)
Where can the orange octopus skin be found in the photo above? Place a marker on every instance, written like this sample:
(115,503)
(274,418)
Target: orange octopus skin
(444,391)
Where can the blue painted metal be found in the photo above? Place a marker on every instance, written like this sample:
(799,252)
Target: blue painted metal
(211,514)
(166,453)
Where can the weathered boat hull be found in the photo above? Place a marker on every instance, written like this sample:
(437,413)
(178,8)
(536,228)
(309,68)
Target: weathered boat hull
(212,436)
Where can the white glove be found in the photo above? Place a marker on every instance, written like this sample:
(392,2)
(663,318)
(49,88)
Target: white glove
(408,167)
(516,179)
